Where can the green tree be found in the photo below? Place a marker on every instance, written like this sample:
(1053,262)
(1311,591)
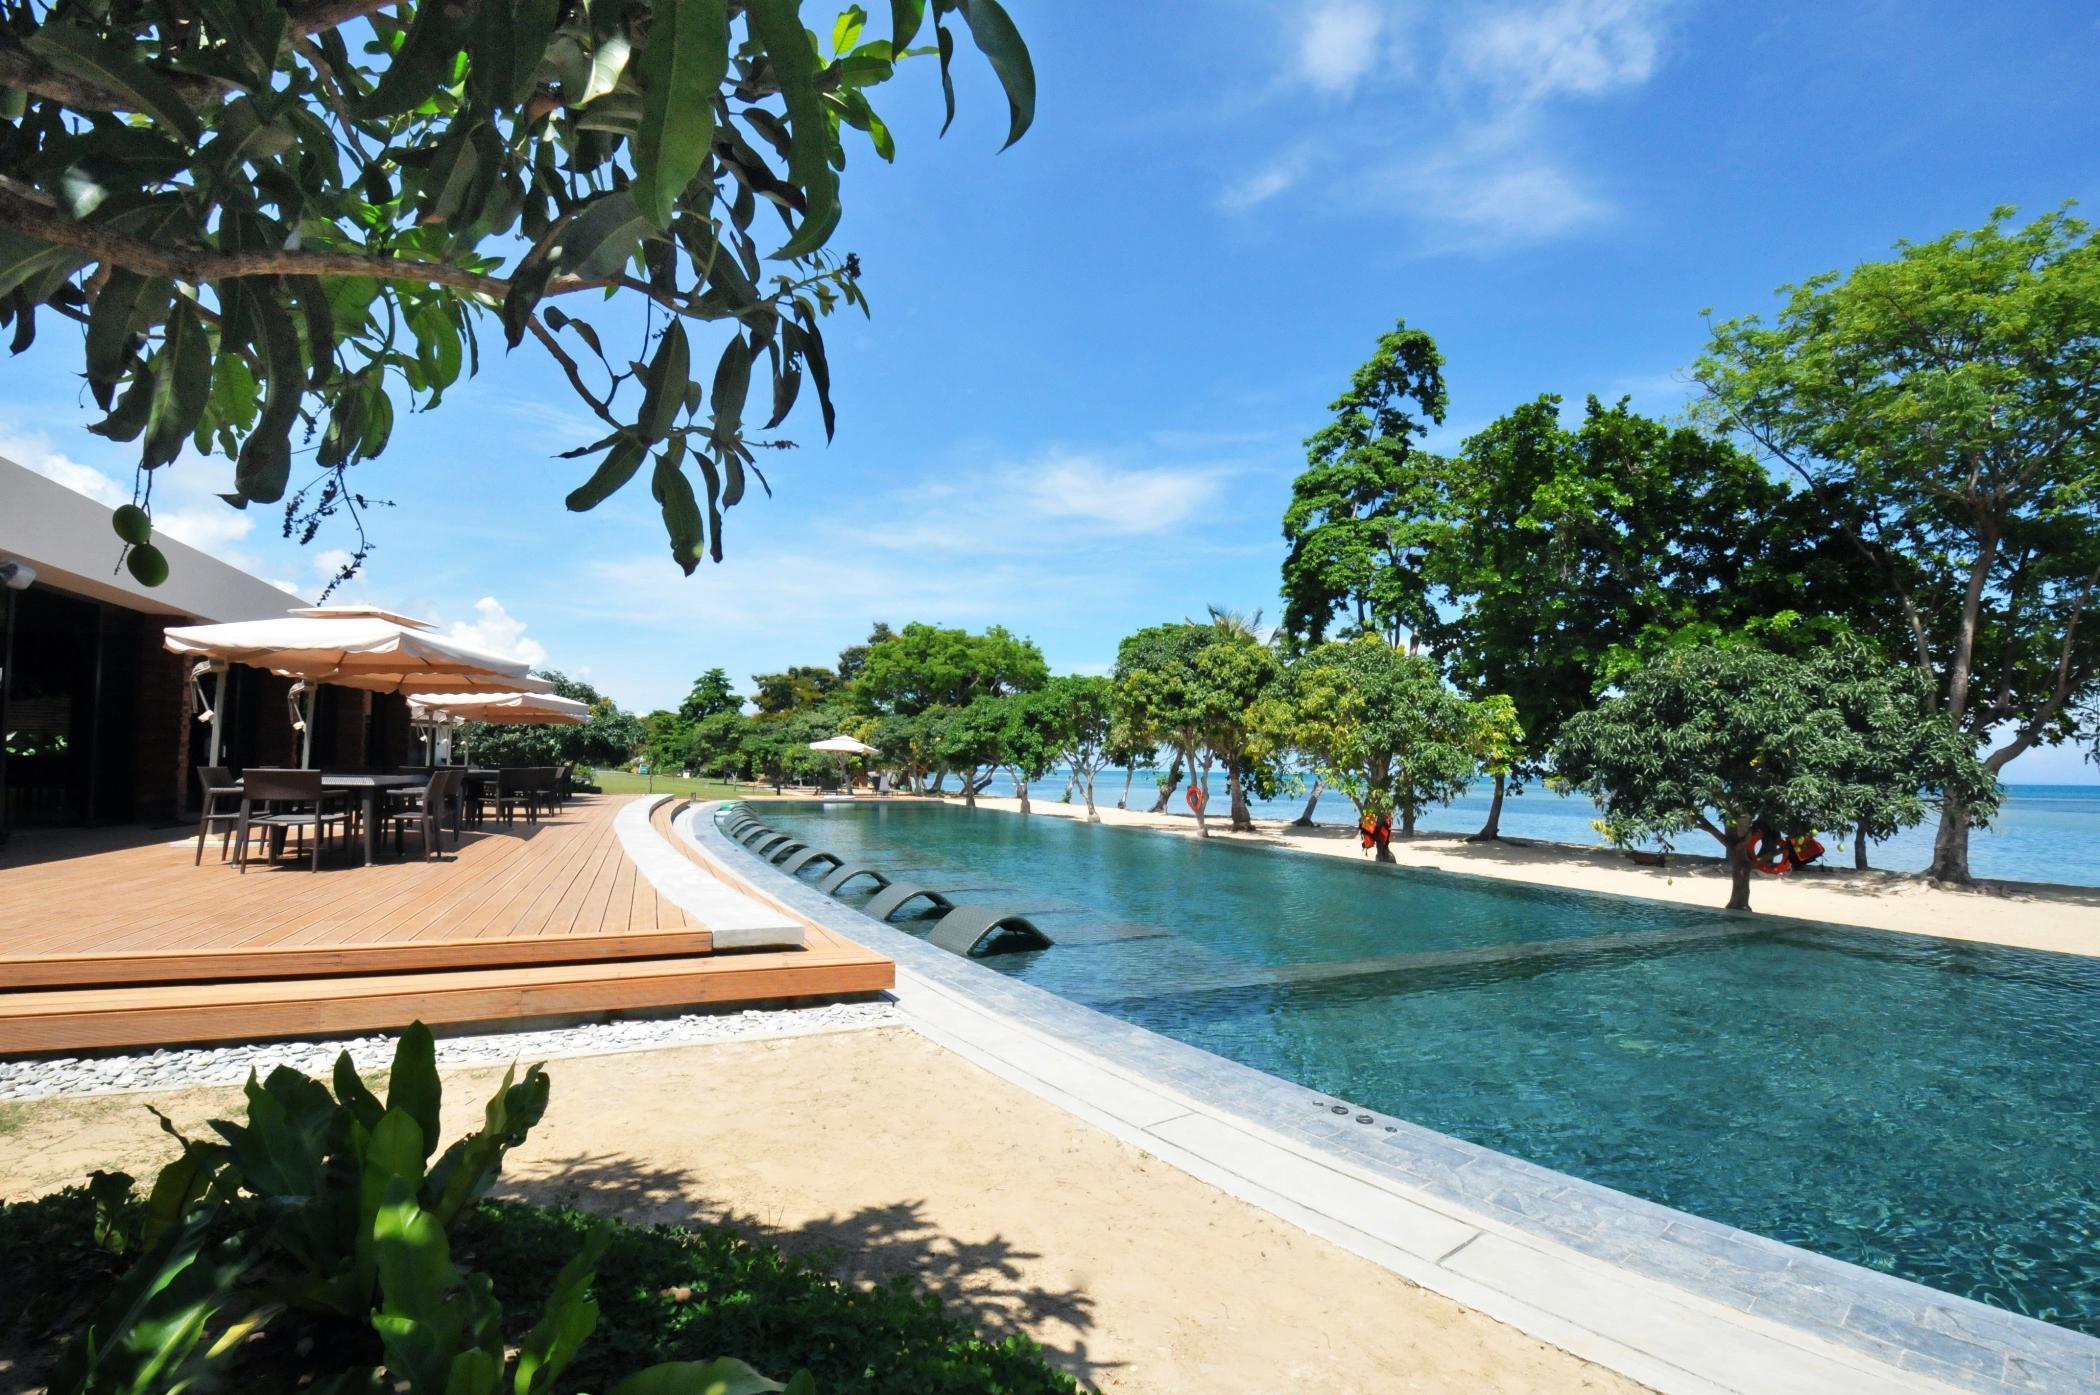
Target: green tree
(1196,688)
(1559,551)
(1363,511)
(1075,713)
(611,736)
(924,666)
(1941,404)
(1031,742)
(854,657)
(711,695)
(1381,726)
(974,740)
(284,219)
(714,745)
(1735,741)
(801,686)
(911,744)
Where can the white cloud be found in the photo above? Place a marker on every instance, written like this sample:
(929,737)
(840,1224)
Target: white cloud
(1581,48)
(1117,499)
(1338,43)
(33,449)
(1277,177)
(498,631)
(1493,192)
(330,562)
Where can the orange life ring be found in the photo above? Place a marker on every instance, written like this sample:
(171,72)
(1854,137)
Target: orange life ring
(1196,797)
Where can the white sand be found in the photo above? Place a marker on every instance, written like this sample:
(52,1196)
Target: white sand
(2026,914)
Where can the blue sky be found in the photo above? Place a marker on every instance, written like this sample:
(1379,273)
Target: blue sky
(1079,404)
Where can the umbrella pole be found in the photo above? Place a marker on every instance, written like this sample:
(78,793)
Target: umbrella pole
(304,694)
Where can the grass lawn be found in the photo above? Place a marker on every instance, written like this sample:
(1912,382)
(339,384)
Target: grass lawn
(625,782)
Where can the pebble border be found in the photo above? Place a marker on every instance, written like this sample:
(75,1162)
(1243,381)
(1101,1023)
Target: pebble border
(24,1080)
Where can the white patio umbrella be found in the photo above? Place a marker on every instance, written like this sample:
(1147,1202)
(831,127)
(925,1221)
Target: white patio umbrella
(504,709)
(351,646)
(843,746)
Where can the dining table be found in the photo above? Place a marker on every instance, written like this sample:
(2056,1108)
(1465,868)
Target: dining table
(371,791)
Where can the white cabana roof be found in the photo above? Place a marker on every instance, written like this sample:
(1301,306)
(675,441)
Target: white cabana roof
(844,745)
(358,647)
(509,709)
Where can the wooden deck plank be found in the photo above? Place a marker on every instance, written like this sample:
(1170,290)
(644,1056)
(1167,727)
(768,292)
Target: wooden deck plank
(113,938)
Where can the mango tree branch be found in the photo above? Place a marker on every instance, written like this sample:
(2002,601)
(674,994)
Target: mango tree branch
(198,265)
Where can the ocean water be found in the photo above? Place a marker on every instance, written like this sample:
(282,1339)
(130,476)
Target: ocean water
(2043,833)
(1919,1106)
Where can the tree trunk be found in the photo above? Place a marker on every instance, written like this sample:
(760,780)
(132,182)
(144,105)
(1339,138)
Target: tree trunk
(1199,780)
(1071,784)
(1166,791)
(1312,801)
(1492,829)
(1092,815)
(1739,874)
(1407,820)
(1859,849)
(969,784)
(1950,845)
(1242,816)
(1129,774)
(1020,787)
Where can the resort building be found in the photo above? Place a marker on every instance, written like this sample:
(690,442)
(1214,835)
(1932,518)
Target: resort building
(98,715)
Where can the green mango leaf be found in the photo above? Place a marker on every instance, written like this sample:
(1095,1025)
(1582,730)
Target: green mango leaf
(905,18)
(723,1376)
(413,1085)
(265,462)
(78,53)
(681,510)
(680,71)
(600,239)
(1000,41)
(669,371)
(732,387)
(778,28)
(945,45)
(615,470)
(181,389)
(127,304)
(422,64)
(128,419)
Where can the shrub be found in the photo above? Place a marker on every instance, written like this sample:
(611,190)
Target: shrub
(317,1245)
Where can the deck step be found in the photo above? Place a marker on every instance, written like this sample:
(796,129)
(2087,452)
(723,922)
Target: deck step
(325,960)
(56,1020)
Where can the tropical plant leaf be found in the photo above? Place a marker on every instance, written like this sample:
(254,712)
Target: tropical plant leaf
(777,26)
(1000,42)
(75,51)
(680,71)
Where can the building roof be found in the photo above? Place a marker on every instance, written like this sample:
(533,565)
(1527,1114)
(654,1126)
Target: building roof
(66,536)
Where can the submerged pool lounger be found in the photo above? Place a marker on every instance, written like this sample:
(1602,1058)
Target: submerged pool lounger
(794,865)
(752,834)
(780,850)
(835,881)
(975,931)
(765,845)
(884,904)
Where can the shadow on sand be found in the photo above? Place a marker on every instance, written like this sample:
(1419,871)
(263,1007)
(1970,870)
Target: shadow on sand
(982,1281)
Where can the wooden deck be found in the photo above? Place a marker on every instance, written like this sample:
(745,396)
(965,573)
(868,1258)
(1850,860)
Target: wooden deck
(112,938)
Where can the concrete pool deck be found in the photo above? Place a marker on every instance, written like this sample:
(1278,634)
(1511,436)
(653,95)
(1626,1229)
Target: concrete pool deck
(1672,1300)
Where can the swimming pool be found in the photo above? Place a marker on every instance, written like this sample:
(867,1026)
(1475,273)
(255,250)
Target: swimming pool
(1918,1106)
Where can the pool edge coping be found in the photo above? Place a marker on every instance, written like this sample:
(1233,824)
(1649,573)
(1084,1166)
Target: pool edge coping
(1674,1300)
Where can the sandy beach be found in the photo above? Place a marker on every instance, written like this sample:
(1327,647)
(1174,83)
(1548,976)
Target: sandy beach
(2032,916)
(905,1158)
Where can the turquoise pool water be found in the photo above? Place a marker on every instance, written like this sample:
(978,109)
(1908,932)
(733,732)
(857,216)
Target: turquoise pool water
(1924,1107)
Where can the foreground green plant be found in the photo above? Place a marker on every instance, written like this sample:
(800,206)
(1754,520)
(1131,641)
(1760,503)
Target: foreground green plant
(335,1209)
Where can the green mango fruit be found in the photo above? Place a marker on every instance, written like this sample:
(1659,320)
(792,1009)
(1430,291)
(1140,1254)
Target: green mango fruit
(133,524)
(147,564)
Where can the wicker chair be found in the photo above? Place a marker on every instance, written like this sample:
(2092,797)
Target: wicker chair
(288,799)
(222,806)
(425,808)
